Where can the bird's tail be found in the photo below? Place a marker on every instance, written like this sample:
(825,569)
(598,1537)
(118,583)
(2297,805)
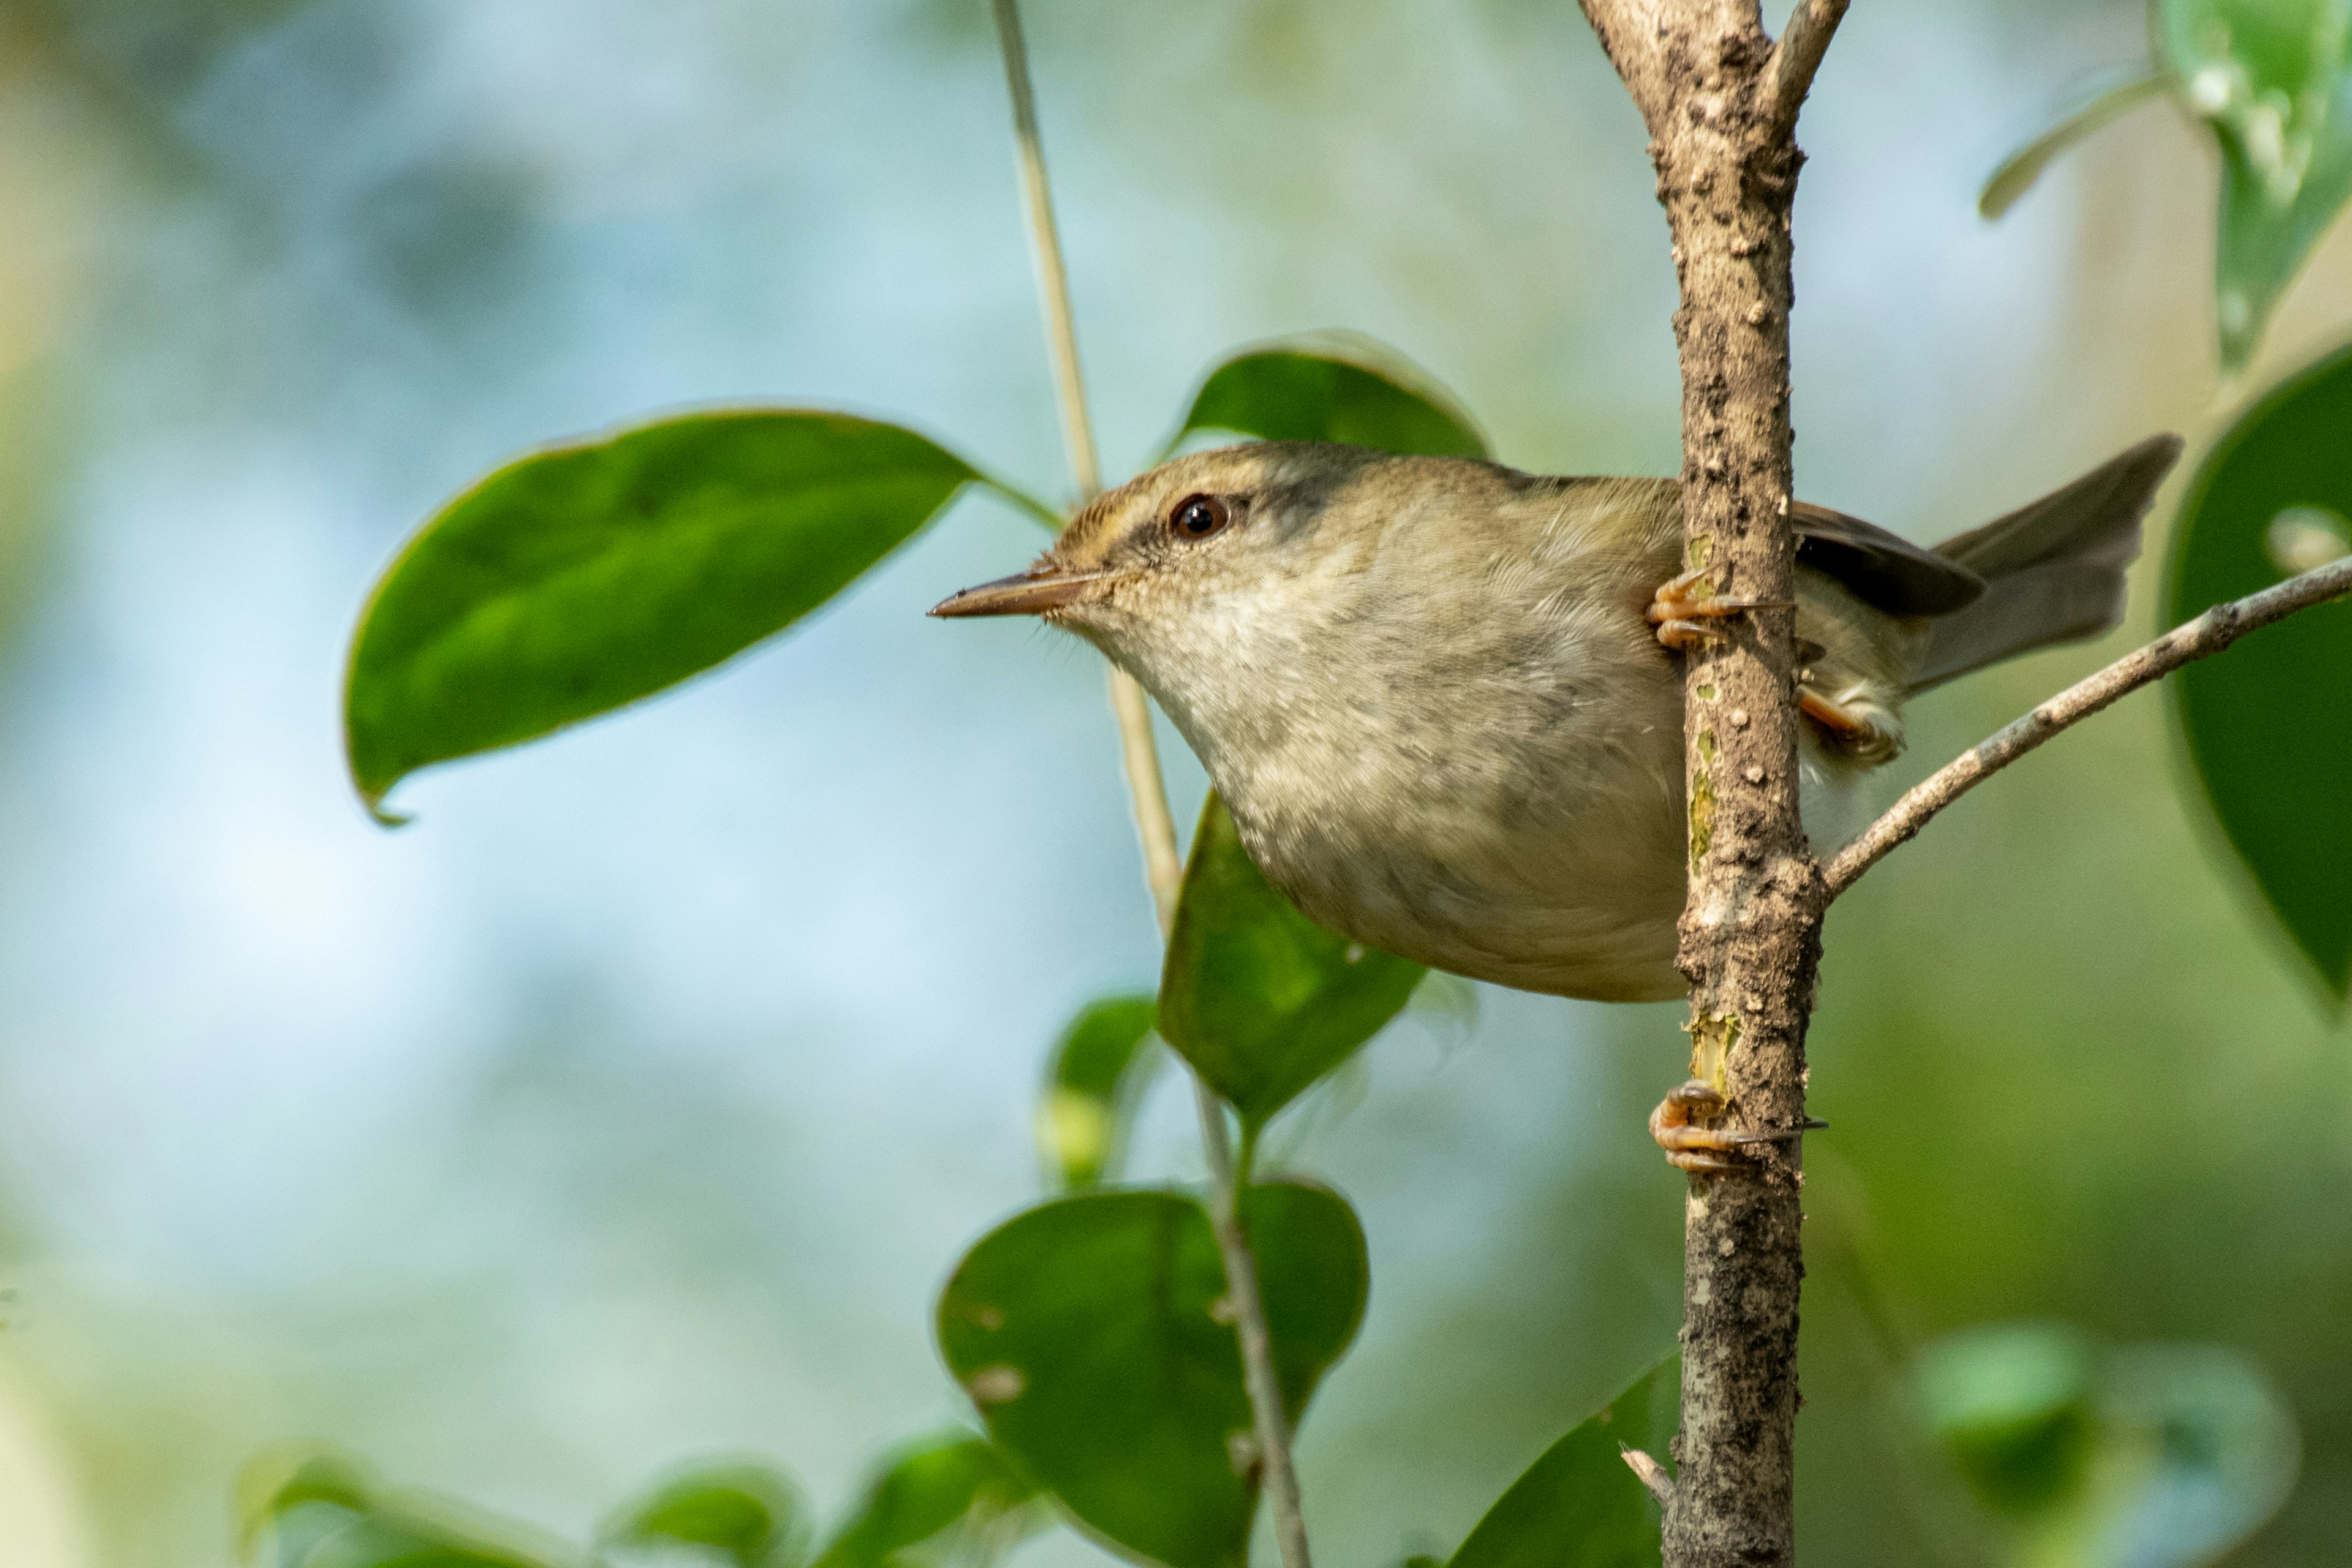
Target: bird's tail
(2053,568)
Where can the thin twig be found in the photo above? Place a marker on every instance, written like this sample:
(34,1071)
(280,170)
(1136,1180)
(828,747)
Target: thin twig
(1798,54)
(2208,634)
(1652,1473)
(1155,824)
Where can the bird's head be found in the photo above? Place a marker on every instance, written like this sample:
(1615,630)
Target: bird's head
(1224,548)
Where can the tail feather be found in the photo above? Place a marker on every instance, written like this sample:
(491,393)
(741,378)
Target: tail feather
(2053,568)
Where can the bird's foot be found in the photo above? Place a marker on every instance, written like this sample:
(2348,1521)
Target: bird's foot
(1709,1151)
(1682,615)
(1853,723)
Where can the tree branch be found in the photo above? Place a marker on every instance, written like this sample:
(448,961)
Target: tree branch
(2206,636)
(1155,825)
(1711,88)
(1789,74)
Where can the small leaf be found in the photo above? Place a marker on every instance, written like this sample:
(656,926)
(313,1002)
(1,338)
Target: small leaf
(276,1485)
(2273,79)
(581,578)
(2100,104)
(952,1483)
(1344,389)
(1090,1333)
(1580,1506)
(746,1515)
(2142,1456)
(323,1511)
(1261,1000)
(1091,1086)
(2268,724)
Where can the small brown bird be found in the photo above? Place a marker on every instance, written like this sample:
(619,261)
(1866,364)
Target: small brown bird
(1439,698)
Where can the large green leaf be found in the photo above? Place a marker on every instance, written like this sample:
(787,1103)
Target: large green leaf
(2274,80)
(746,1515)
(1337,389)
(953,1494)
(1580,1506)
(581,578)
(1090,1088)
(1261,1000)
(2269,723)
(2139,1456)
(1090,1333)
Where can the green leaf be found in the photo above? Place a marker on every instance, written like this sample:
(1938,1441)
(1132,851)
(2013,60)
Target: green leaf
(2140,1457)
(2271,79)
(952,1489)
(1091,1086)
(1580,1506)
(2268,725)
(1090,1335)
(276,1485)
(1345,389)
(1261,1000)
(747,1515)
(2099,105)
(581,578)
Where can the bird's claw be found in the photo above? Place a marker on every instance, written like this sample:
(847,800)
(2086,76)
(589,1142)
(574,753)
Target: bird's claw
(1710,1151)
(1680,615)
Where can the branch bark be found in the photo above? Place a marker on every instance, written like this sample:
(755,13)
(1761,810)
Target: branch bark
(2206,636)
(1720,102)
(1155,825)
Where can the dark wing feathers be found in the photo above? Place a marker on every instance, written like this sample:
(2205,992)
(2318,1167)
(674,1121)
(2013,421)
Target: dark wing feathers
(1883,569)
(2050,571)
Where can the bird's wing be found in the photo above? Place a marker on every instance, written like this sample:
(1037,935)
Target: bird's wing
(1882,569)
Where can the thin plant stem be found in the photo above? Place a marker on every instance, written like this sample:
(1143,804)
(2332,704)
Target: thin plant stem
(2206,636)
(1246,1308)
(1045,237)
(1155,824)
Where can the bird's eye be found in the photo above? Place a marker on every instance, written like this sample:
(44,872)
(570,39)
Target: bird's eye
(1197,517)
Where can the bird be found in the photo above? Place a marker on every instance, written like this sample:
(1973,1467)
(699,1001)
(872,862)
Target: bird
(1442,697)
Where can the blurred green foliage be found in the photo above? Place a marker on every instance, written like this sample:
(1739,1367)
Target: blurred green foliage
(747,1516)
(1092,1081)
(2141,1457)
(2272,81)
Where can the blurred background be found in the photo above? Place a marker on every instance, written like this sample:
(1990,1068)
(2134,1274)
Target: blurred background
(633,1103)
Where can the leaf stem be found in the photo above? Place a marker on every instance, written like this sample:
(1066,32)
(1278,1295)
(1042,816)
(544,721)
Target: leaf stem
(1155,824)
(1053,279)
(1248,1309)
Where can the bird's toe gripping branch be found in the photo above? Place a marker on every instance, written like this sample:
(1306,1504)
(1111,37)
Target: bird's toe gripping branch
(1710,1151)
(1682,611)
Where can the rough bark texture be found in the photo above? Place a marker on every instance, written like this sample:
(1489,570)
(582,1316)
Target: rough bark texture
(1720,104)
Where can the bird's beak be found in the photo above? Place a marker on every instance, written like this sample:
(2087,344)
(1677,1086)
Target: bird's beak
(1030,592)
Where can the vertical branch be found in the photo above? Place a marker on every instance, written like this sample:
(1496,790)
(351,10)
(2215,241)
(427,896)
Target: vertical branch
(1155,824)
(1720,102)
